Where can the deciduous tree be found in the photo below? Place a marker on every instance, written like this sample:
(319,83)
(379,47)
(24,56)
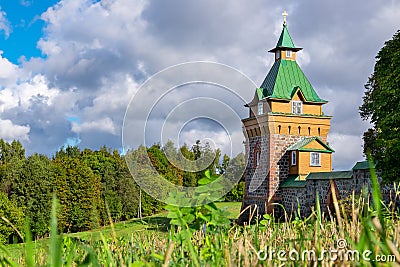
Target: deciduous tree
(381,105)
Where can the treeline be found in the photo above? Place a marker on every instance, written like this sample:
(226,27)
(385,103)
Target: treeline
(87,183)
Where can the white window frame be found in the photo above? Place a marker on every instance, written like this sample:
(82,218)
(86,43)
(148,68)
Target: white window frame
(288,54)
(260,108)
(315,159)
(294,159)
(296,107)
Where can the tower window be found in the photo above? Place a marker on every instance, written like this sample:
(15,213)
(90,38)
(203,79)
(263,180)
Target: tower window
(260,108)
(294,160)
(315,159)
(277,55)
(289,54)
(297,107)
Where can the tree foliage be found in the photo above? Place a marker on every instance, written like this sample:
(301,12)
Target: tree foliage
(78,189)
(87,182)
(381,106)
(13,214)
(33,190)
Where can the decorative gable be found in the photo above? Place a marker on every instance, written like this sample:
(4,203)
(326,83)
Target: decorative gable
(311,144)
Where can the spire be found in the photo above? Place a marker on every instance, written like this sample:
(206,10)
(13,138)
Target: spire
(285,41)
(284,14)
(286,77)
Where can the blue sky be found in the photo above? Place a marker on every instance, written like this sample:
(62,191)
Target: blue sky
(85,59)
(26,28)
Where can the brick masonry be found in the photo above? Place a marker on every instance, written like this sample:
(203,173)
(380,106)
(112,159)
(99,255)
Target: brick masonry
(268,165)
(265,171)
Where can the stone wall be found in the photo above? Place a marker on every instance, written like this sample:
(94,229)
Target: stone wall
(262,178)
(279,169)
(256,177)
(293,199)
(306,196)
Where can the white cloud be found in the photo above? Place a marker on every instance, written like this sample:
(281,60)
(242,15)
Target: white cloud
(99,52)
(102,125)
(8,71)
(230,145)
(10,131)
(23,94)
(4,24)
(348,150)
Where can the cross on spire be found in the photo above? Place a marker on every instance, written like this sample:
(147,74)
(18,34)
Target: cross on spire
(284,14)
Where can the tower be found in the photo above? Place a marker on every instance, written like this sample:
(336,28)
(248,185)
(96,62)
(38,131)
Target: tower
(286,130)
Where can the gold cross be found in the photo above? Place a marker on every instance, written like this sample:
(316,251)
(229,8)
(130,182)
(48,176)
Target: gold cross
(284,14)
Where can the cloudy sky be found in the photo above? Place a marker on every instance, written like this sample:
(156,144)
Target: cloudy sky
(69,68)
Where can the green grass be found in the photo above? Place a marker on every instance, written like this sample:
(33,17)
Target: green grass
(154,242)
(156,223)
(232,207)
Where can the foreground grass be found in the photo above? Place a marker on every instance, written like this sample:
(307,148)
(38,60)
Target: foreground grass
(153,229)
(362,235)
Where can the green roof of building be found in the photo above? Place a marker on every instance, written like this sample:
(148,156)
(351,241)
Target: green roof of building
(362,165)
(292,181)
(329,175)
(285,41)
(283,81)
(300,145)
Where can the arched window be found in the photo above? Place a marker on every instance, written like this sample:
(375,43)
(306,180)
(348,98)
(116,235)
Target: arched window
(289,129)
(299,129)
(309,131)
(257,155)
(279,129)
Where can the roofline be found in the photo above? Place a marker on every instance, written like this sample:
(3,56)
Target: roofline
(289,99)
(299,115)
(295,49)
(327,149)
(329,178)
(316,150)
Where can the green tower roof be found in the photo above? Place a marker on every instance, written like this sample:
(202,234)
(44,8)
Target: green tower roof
(285,41)
(283,81)
(286,77)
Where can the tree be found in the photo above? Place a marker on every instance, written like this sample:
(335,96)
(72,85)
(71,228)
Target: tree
(33,190)
(235,171)
(187,159)
(12,158)
(118,188)
(78,190)
(381,106)
(142,169)
(11,212)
